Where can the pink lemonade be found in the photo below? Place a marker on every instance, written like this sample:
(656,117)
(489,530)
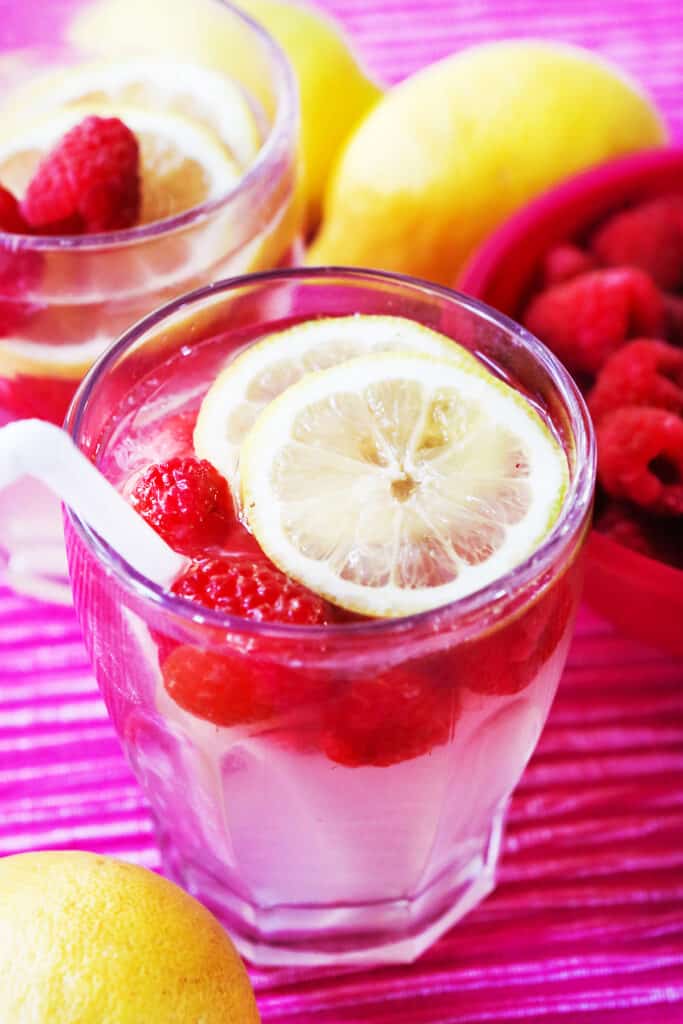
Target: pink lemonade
(332,786)
(217,197)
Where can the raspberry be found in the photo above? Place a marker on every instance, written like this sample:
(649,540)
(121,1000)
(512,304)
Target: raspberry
(219,688)
(586,319)
(506,661)
(239,687)
(89,182)
(387,718)
(253,589)
(650,237)
(11,219)
(186,501)
(641,373)
(45,398)
(641,458)
(565,261)
(623,524)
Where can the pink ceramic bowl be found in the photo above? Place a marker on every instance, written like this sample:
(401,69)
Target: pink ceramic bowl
(643,597)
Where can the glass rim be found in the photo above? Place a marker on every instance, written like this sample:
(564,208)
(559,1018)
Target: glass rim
(576,504)
(257,176)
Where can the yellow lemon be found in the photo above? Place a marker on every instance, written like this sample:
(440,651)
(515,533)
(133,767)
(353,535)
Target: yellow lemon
(335,92)
(334,89)
(86,939)
(443,158)
(264,370)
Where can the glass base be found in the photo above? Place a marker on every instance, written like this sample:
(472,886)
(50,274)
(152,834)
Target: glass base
(382,932)
(32,553)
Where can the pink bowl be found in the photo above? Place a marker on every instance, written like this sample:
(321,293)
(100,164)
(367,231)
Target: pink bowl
(643,597)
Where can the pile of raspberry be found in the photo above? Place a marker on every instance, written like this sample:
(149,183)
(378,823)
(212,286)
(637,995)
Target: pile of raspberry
(611,307)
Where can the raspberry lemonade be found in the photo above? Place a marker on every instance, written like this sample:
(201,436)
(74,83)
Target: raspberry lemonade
(382,490)
(124,182)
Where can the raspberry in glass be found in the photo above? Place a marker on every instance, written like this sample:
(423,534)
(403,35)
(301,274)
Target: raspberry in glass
(394,716)
(11,219)
(89,182)
(254,589)
(187,502)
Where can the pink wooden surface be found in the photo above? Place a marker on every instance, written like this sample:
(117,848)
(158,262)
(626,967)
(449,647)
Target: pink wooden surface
(586,924)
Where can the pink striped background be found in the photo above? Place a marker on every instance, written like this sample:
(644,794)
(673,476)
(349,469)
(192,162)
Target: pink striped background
(586,925)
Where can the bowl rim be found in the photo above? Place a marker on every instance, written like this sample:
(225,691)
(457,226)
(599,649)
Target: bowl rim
(498,246)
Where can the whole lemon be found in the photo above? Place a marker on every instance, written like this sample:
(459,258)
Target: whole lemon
(452,151)
(334,90)
(91,940)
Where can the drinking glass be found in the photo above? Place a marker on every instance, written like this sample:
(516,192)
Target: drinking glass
(64,299)
(309,855)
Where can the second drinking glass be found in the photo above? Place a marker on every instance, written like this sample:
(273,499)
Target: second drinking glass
(224,135)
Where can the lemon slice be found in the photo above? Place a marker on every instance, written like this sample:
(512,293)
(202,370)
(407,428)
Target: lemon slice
(395,483)
(204,96)
(20,358)
(182,163)
(265,369)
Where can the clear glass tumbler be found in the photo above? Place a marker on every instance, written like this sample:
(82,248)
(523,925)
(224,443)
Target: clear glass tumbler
(64,299)
(309,856)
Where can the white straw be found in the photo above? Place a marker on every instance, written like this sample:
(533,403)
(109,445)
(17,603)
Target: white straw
(42,450)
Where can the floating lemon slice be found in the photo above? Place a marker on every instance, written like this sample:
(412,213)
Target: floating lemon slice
(19,358)
(204,96)
(394,483)
(182,163)
(265,369)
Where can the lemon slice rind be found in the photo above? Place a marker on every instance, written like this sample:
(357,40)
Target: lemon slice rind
(201,94)
(343,498)
(20,357)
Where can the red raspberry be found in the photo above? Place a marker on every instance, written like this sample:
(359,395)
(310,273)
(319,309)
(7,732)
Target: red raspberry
(229,688)
(219,688)
(505,661)
(387,718)
(187,502)
(640,457)
(641,373)
(650,236)
(253,589)
(45,398)
(89,182)
(586,319)
(622,523)
(565,261)
(11,219)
